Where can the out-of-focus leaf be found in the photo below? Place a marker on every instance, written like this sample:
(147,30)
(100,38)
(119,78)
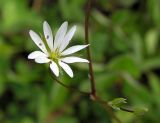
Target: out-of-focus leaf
(72,6)
(42,107)
(104,82)
(101,19)
(98,46)
(27,120)
(131,91)
(137,45)
(155,86)
(124,63)
(6,50)
(2,85)
(123,18)
(67,119)
(58,95)
(127,3)
(16,15)
(153,8)
(151,41)
(151,63)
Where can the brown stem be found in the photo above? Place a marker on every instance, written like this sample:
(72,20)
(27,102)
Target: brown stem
(92,80)
(37,4)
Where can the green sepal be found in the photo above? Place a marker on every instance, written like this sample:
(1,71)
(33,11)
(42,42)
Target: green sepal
(117,103)
(140,111)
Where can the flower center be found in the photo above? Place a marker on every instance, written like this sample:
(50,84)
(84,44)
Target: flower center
(54,56)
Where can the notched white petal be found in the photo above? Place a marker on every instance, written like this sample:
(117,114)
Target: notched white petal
(36,54)
(42,59)
(67,38)
(66,68)
(73,49)
(48,34)
(38,41)
(60,34)
(73,59)
(54,68)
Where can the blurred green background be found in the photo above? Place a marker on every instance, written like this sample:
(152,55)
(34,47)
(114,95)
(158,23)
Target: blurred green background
(125,43)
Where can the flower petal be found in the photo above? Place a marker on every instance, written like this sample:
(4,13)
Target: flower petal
(73,59)
(38,41)
(67,38)
(54,68)
(60,35)
(48,34)
(36,54)
(73,49)
(66,68)
(42,59)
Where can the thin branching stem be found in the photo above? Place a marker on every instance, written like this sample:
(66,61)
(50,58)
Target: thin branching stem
(127,109)
(69,87)
(107,108)
(92,80)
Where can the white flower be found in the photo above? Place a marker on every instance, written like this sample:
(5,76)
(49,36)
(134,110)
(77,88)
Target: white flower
(55,52)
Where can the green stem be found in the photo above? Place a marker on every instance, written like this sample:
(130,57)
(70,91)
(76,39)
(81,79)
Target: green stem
(107,108)
(127,109)
(69,87)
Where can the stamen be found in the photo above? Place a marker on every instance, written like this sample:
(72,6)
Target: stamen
(54,56)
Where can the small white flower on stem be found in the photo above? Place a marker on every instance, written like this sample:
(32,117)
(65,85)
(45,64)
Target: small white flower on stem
(55,52)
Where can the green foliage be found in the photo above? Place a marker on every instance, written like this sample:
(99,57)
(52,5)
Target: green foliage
(140,111)
(117,103)
(125,49)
